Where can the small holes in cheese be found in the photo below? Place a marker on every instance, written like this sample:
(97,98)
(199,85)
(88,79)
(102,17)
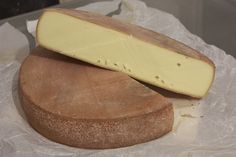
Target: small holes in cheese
(124,66)
(99,61)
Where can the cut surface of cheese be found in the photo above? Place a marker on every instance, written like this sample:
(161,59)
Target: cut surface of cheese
(140,53)
(81,105)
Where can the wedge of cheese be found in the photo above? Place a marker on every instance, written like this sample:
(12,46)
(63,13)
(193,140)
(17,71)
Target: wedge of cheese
(143,54)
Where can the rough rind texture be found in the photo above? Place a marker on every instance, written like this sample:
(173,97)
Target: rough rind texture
(99,134)
(137,32)
(94,133)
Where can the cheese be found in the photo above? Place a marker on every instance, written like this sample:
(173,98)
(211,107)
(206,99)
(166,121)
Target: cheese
(83,106)
(123,51)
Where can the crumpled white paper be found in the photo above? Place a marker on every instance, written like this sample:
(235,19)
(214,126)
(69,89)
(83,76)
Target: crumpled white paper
(202,128)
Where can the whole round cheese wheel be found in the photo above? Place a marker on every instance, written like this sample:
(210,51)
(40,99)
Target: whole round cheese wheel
(80,105)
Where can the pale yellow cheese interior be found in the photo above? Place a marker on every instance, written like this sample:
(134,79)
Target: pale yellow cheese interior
(118,51)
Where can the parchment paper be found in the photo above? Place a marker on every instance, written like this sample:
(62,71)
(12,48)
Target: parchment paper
(202,128)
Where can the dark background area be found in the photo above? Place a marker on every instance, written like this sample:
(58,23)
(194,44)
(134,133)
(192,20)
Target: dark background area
(10,8)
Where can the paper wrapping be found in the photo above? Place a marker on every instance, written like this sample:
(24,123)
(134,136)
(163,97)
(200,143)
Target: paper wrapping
(204,127)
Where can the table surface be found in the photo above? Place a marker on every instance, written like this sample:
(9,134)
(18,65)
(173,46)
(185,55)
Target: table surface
(214,21)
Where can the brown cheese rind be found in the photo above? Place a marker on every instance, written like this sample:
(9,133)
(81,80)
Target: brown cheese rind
(115,117)
(99,134)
